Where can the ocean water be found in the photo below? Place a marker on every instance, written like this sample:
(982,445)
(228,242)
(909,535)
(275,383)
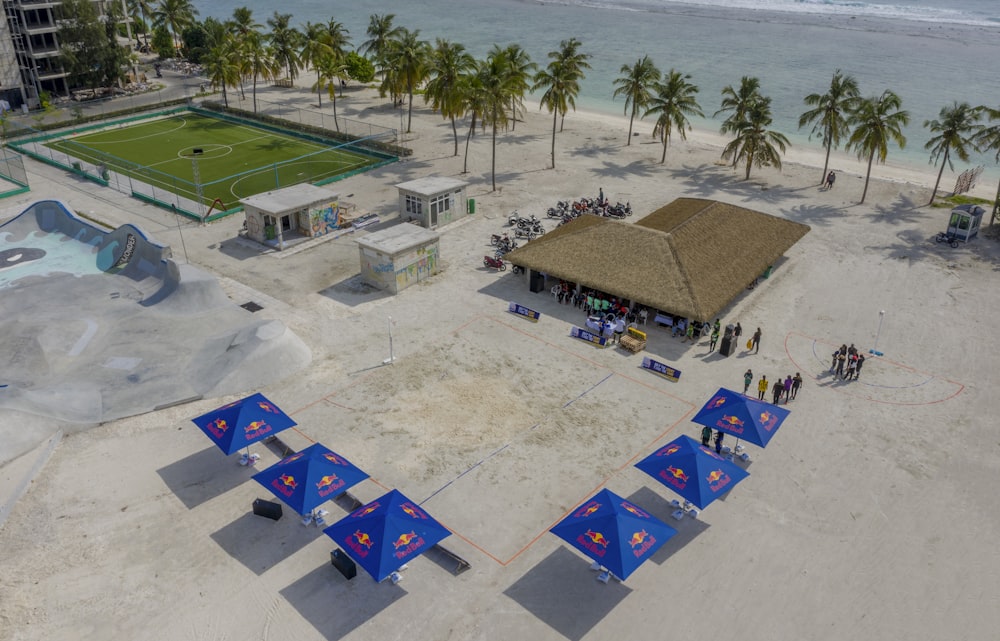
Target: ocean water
(930,52)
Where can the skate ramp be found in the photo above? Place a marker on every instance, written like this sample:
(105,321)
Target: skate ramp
(100,325)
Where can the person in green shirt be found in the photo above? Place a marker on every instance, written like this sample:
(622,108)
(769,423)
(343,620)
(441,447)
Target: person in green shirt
(747,379)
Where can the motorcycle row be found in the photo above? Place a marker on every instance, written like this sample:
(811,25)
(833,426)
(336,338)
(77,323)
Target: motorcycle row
(564,211)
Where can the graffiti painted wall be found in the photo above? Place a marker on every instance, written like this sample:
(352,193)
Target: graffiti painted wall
(324,218)
(415,266)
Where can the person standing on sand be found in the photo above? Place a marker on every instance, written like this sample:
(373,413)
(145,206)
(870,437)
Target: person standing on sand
(718,442)
(788,388)
(706,435)
(830,179)
(857,370)
(777,390)
(747,379)
(715,339)
(761,388)
(756,341)
(737,332)
(796,384)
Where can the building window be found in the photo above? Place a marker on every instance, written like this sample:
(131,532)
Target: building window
(414,205)
(440,204)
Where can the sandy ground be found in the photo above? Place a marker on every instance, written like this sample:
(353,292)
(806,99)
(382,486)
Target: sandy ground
(869,515)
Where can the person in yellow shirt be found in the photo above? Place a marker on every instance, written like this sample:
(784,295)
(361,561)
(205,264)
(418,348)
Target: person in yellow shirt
(762,387)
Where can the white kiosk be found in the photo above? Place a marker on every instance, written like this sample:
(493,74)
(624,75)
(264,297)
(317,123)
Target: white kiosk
(964,222)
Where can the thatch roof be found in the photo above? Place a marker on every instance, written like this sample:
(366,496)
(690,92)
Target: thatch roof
(691,257)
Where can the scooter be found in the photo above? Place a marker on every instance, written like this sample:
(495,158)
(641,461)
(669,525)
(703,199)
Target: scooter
(495,263)
(945,237)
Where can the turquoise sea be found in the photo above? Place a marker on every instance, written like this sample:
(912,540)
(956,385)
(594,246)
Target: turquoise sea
(930,52)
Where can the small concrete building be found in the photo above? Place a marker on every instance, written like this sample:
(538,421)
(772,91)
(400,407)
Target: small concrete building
(434,201)
(283,216)
(402,255)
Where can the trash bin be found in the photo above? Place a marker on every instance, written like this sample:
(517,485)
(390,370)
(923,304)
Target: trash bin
(472,205)
(767,272)
(726,347)
(269,232)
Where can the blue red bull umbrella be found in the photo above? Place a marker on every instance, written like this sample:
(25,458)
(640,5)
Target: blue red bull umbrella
(309,478)
(746,418)
(695,472)
(386,533)
(248,420)
(615,533)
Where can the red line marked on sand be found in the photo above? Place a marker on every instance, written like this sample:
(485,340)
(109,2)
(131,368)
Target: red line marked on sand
(930,375)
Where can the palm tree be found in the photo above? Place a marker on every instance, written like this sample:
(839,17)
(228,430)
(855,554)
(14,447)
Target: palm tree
(830,112)
(560,81)
(285,41)
(498,87)
(672,103)
(380,33)
(339,41)
(222,67)
(472,99)
(636,84)
(521,69)
(737,102)
(174,15)
(408,55)
(140,9)
(875,123)
(315,47)
(258,60)
(242,22)
(955,130)
(448,64)
(987,140)
(329,70)
(754,142)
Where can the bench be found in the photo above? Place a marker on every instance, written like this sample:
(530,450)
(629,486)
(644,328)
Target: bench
(634,341)
(283,82)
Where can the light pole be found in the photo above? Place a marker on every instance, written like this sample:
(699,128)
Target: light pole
(196,177)
(874,349)
(391,358)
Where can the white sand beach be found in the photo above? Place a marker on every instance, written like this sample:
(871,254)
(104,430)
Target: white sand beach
(868,516)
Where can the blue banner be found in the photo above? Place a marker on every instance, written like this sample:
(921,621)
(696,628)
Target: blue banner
(659,368)
(521,310)
(590,337)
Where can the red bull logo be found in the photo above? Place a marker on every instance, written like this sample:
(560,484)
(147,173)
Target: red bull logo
(285,485)
(329,484)
(360,543)
(267,407)
(635,510)
(587,510)
(218,427)
(716,402)
(668,450)
(366,510)
(333,458)
(641,542)
(674,476)
(768,421)
(732,424)
(717,479)
(407,544)
(255,429)
(594,542)
(291,459)
(413,511)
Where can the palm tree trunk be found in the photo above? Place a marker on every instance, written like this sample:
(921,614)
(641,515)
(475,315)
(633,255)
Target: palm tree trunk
(409,112)
(996,205)
(468,136)
(663,157)
(631,118)
(255,93)
(555,115)
(826,164)
(944,161)
(749,162)
(454,132)
(225,97)
(513,113)
(319,89)
(868,174)
(562,121)
(333,98)
(493,165)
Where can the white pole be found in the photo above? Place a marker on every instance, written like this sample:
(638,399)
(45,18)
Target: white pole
(881,317)
(391,358)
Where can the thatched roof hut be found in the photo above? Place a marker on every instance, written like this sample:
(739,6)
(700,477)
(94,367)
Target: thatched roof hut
(691,257)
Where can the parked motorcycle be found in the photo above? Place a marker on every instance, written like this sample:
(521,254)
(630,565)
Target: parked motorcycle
(945,237)
(495,263)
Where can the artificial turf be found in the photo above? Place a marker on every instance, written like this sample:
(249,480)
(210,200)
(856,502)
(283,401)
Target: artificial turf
(236,160)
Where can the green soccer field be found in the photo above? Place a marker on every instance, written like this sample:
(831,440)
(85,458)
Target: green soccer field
(236,160)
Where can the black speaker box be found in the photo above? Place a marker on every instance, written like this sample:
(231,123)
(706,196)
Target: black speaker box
(270,509)
(344,563)
(727,346)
